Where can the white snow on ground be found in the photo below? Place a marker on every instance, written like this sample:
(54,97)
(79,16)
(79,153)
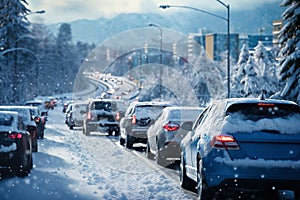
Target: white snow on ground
(70,165)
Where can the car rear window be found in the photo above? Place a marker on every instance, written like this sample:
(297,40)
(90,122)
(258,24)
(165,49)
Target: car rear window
(105,105)
(152,111)
(275,118)
(6,120)
(257,111)
(183,114)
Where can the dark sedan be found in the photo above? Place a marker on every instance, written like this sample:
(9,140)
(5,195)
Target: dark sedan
(243,145)
(15,144)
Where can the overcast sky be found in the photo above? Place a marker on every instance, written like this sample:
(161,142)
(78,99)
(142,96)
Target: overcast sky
(70,10)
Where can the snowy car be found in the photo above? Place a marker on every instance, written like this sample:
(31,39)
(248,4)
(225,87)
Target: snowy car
(27,117)
(165,135)
(138,118)
(15,144)
(76,115)
(102,115)
(238,144)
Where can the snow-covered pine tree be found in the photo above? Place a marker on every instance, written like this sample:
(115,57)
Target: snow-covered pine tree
(250,80)
(266,70)
(238,72)
(13,46)
(289,39)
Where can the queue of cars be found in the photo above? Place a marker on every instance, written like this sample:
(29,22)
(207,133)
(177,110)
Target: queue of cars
(20,128)
(238,144)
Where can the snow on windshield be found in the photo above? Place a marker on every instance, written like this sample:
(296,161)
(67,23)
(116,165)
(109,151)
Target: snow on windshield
(236,123)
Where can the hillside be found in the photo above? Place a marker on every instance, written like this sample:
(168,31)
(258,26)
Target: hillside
(184,21)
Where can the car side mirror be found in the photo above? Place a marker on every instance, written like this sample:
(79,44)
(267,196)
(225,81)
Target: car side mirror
(188,125)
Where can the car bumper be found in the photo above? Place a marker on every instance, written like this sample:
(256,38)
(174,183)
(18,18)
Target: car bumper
(251,174)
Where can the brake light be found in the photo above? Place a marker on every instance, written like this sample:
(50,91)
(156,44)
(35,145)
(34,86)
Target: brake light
(224,142)
(118,116)
(15,136)
(37,119)
(133,119)
(171,126)
(89,116)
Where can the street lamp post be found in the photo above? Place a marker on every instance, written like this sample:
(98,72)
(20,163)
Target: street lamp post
(160,56)
(228,32)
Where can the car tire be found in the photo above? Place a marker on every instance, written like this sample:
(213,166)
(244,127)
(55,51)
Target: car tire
(87,131)
(129,141)
(148,152)
(22,167)
(297,194)
(71,127)
(122,141)
(203,191)
(160,160)
(185,182)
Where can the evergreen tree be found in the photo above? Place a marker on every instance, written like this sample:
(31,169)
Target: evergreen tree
(250,80)
(290,50)
(14,43)
(238,72)
(266,70)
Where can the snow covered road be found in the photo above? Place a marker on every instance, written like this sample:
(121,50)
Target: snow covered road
(70,165)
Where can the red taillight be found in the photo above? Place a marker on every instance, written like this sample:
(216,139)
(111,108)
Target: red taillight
(15,135)
(89,116)
(224,142)
(118,116)
(133,119)
(171,126)
(37,119)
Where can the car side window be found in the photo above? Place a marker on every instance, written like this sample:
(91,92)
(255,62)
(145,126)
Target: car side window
(201,117)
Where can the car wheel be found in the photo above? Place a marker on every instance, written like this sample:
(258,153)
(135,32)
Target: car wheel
(122,141)
(148,152)
(297,194)
(22,167)
(160,160)
(203,191)
(129,141)
(71,127)
(185,182)
(87,131)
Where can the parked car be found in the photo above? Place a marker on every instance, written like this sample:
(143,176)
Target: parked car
(103,115)
(165,135)
(27,118)
(76,115)
(15,144)
(138,117)
(243,144)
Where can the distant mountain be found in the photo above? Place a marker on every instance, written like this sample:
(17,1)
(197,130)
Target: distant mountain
(243,22)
